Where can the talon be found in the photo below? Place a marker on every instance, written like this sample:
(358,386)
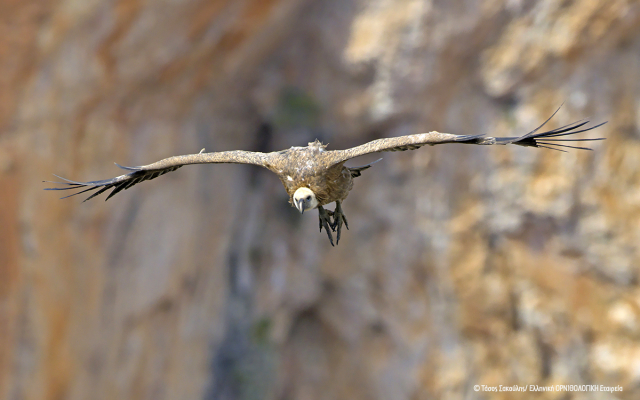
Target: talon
(338,219)
(325,221)
(331,215)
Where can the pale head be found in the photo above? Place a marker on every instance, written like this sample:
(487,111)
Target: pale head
(304,199)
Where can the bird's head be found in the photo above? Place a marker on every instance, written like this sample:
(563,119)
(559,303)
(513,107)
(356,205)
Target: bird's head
(304,199)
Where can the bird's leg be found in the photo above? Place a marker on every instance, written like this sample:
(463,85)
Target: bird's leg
(338,219)
(325,221)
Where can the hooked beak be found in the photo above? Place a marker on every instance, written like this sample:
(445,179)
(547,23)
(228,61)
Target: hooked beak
(301,206)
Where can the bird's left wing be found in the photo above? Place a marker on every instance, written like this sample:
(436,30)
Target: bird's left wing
(553,139)
(152,171)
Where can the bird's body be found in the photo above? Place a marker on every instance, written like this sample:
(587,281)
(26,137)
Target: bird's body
(314,176)
(311,167)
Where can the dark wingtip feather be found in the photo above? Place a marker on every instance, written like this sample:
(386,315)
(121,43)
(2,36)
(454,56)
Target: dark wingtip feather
(80,192)
(564,145)
(116,189)
(96,193)
(578,131)
(549,139)
(117,183)
(573,140)
(544,123)
(551,148)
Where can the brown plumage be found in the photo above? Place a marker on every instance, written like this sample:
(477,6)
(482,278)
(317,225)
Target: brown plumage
(314,176)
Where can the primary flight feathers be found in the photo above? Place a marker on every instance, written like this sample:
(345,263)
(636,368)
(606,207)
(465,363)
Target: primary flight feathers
(320,172)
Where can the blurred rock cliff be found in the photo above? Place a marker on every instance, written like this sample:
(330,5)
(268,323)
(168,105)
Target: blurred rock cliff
(464,265)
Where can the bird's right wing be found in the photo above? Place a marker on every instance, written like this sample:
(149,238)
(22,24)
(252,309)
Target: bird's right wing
(552,139)
(152,171)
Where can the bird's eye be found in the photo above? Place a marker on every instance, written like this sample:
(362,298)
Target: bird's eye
(308,197)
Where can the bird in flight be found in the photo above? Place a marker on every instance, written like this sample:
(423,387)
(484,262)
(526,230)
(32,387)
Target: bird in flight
(314,176)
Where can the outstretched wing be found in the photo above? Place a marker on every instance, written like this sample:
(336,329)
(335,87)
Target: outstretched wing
(552,139)
(152,171)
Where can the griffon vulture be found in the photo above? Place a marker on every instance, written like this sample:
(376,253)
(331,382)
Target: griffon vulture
(313,176)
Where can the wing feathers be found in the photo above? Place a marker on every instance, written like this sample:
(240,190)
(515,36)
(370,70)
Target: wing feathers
(152,171)
(128,168)
(534,138)
(548,138)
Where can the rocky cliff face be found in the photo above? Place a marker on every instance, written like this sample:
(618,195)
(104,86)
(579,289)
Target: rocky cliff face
(464,265)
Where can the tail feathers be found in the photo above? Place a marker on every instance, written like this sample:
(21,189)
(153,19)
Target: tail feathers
(357,171)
